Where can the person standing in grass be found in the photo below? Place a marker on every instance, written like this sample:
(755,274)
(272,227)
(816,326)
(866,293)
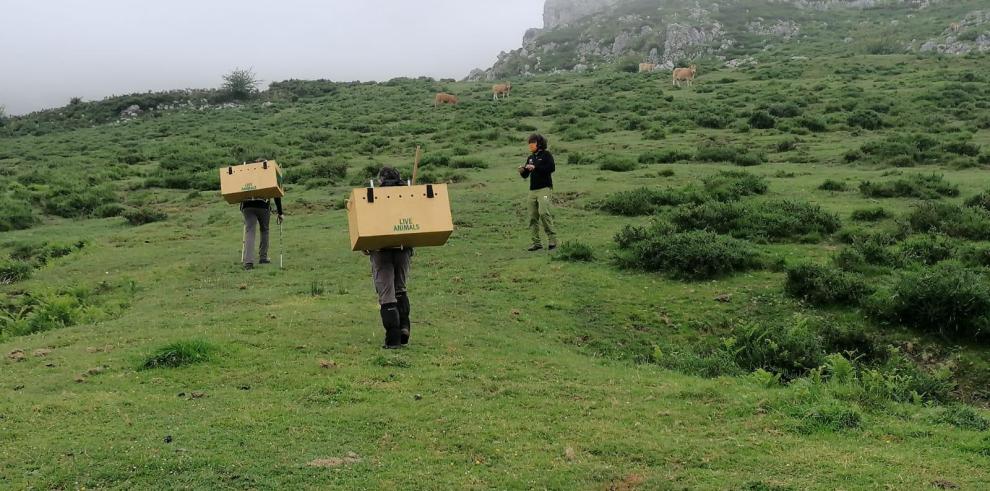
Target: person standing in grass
(389,270)
(257,214)
(539,170)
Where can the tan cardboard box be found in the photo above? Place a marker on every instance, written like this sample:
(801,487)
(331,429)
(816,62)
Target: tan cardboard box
(256,180)
(407,216)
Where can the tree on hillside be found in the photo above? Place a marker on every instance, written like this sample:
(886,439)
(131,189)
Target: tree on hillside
(3,114)
(75,100)
(240,84)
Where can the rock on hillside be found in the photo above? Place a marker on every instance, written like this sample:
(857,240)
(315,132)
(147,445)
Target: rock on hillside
(583,34)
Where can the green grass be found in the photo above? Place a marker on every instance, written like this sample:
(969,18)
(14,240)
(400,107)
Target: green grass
(524,372)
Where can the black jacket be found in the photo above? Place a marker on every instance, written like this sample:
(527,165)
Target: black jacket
(542,176)
(263,204)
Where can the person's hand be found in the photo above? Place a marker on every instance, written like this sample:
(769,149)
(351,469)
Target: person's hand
(531,167)
(281,218)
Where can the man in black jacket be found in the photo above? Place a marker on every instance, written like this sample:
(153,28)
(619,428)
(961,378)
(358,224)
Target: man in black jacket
(539,170)
(257,214)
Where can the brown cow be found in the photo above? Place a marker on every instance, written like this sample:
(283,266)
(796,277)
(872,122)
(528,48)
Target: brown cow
(501,90)
(647,67)
(444,98)
(684,75)
(955,27)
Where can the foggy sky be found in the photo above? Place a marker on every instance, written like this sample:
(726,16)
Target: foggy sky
(52,50)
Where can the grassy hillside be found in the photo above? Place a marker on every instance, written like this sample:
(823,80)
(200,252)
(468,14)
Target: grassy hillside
(786,289)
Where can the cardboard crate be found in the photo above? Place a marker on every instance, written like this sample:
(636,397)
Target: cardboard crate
(261,180)
(394,216)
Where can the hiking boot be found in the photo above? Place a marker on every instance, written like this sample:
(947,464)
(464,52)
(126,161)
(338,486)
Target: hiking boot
(404,326)
(390,321)
(248,266)
(552,247)
(265,261)
(535,247)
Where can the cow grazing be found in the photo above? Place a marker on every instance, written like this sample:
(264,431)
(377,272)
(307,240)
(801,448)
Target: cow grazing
(444,98)
(501,90)
(647,67)
(684,75)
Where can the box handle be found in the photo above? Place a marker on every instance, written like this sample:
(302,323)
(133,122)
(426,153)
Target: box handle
(264,164)
(230,170)
(429,190)
(371,195)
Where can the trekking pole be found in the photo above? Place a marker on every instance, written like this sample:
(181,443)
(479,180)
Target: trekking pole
(415,166)
(281,246)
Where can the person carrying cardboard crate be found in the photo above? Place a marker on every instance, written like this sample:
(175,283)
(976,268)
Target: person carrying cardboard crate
(389,271)
(257,215)
(539,170)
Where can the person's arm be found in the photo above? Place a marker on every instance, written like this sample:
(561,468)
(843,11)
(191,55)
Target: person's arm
(278,205)
(523,171)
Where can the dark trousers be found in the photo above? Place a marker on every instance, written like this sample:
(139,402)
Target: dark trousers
(255,218)
(389,270)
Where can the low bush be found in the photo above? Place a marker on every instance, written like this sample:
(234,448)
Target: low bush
(717,152)
(866,119)
(762,120)
(12,271)
(946,298)
(927,249)
(832,416)
(964,417)
(646,201)
(813,123)
(981,201)
(618,164)
(732,185)
(180,354)
(467,163)
(771,220)
(788,349)
(141,216)
(825,285)
(916,186)
(663,157)
(784,110)
(687,255)
(17,214)
(950,219)
(76,200)
(575,251)
(833,185)
(870,214)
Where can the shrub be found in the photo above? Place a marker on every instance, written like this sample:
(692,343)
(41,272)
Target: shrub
(655,134)
(927,249)
(772,220)
(945,298)
(618,164)
(732,185)
(575,251)
(663,157)
(645,201)
(180,353)
(109,210)
(787,145)
(824,285)
(831,417)
(762,120)
(14,271)
(718,152)
(712,119)
(333,171)
(866,119)
(76,200)
(950,219)
(981,201)
(17,215)
(833,185)
(468,163)
(790,350)
(813,123)
(689,255)
(437,159)
(917,186)
(240,84)
(870,214)
(964,417)
(962,148)
(141,216)
(784,110)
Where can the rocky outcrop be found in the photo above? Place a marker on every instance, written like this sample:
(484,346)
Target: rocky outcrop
(557,13)
(968,35)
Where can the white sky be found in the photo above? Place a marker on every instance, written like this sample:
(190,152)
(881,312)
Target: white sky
(51,50)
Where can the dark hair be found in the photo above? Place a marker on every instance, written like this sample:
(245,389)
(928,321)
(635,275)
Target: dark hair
(389,176)
(539,140)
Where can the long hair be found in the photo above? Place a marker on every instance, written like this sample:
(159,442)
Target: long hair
(539,140)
